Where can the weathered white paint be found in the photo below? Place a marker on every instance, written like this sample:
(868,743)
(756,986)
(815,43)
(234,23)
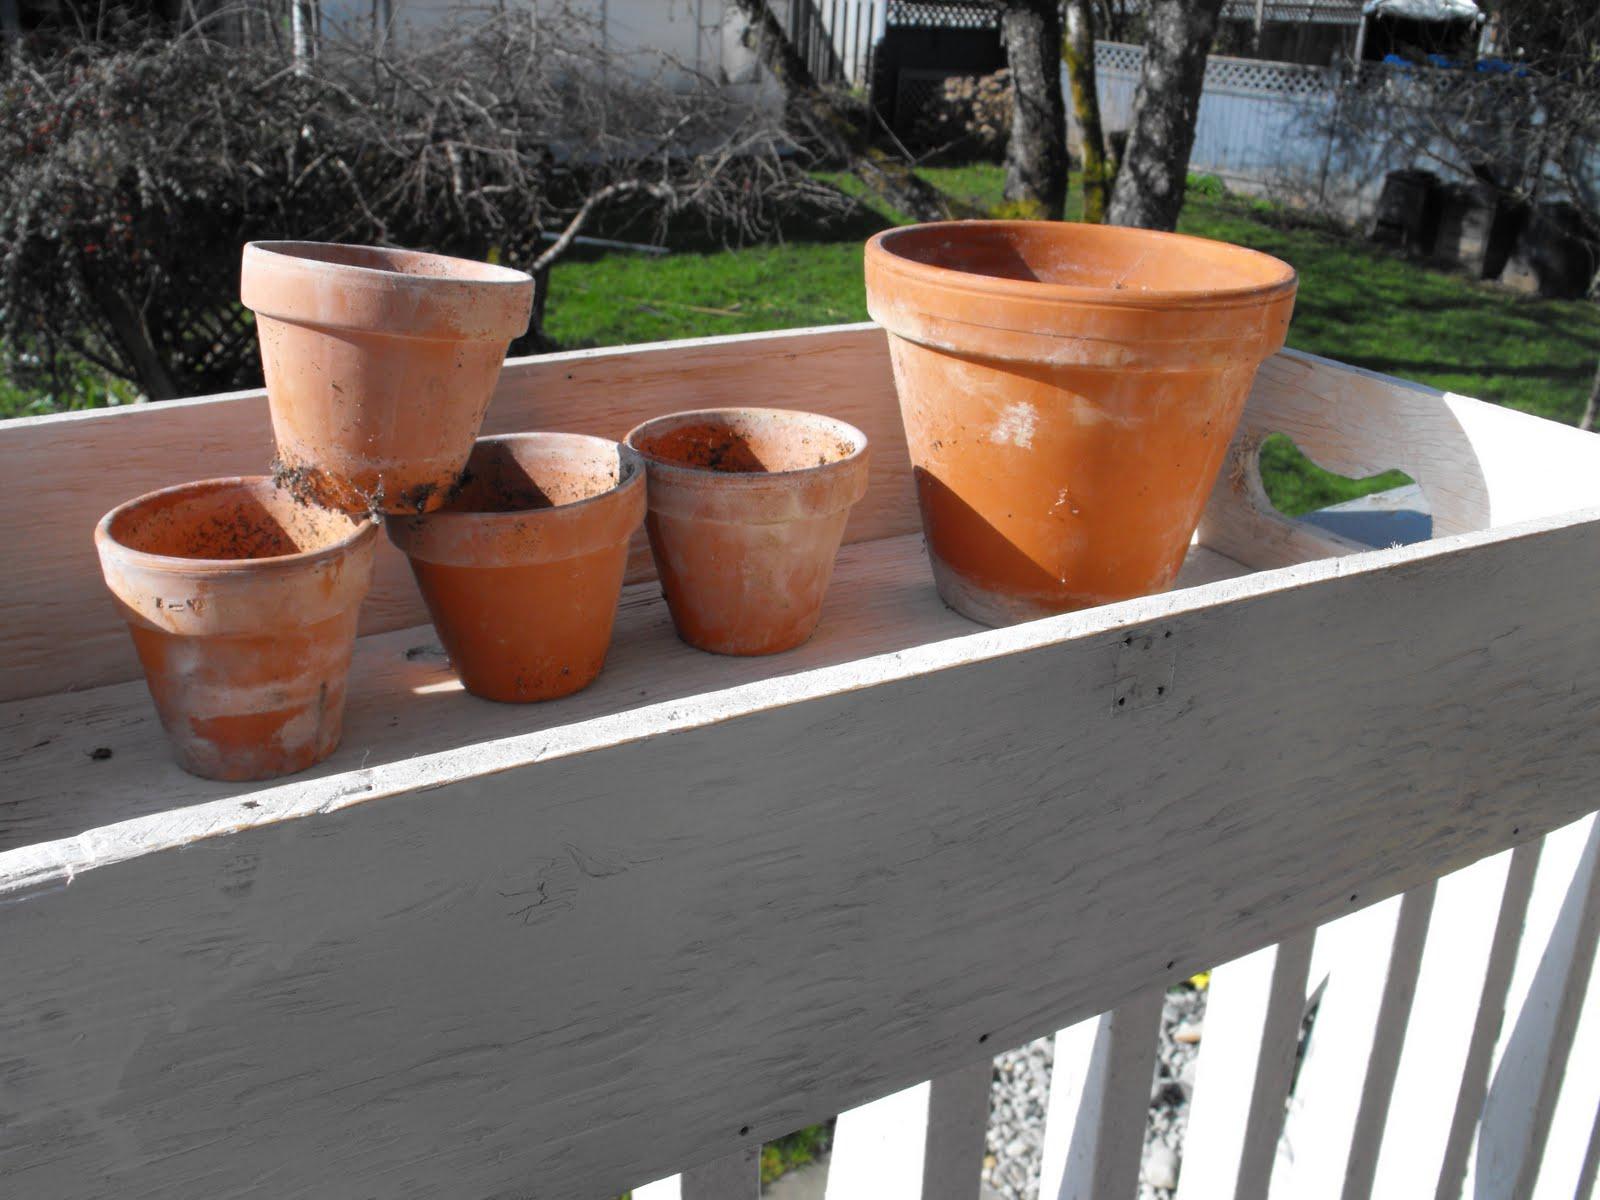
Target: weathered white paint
(1254,1008)
(499,951)
(1099,1099)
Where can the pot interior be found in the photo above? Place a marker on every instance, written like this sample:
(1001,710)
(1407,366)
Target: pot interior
(1101,257)
(514,474)
(228,519)
(746,441)
(396,262)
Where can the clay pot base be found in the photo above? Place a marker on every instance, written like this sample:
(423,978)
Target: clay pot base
(747,509)
(379,366)
(521,570)
(242,605)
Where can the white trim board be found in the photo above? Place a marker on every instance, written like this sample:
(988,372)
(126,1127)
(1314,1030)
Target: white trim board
(563,976)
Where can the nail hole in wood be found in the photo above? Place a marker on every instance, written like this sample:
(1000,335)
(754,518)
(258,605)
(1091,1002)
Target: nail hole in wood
(982,1038)
(1121,700)
(743,1130)
(1516,829)
(1352,897)
(1161,691)
(1167,634)
(1127,641)
(1172,964)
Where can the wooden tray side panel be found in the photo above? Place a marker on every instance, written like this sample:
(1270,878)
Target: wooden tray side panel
(570,977)
(78,466)
(1479,465)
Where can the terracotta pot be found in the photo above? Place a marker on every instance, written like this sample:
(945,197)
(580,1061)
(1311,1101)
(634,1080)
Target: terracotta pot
(747,508)
(1068,393)
(379,365)
(521,571)
(242,604)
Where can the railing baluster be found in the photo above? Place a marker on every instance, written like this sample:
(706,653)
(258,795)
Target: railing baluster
(922,1143)
(735,1176)
(1370,959)
(1252,1028)
(1404,1177)
(1388,1037)
(958,1118)
(1553,981)
(1099,1102)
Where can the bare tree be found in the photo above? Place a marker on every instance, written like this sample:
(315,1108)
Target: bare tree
(135,169)
(1079,56)
(1036,153)
(1155,165)
(822,120)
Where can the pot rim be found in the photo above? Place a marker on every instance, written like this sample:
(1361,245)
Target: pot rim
(366,529)
(880,252)
(752,480)
(633,464)
(284,250)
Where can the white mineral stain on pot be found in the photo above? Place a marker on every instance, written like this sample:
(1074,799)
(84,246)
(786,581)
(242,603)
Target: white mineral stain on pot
(1016,425)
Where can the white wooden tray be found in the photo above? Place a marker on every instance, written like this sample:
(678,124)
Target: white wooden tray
(562,949)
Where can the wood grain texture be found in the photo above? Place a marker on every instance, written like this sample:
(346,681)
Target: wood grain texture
(1099,1101)
(1254,1007)
(85,761)
(561,976)
(98,459)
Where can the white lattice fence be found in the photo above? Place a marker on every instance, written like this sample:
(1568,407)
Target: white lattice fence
(1248,76)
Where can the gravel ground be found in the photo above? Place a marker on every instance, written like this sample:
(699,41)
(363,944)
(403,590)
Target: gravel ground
(1021,1093)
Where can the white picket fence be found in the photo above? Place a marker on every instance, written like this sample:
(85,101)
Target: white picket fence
(1453,1051)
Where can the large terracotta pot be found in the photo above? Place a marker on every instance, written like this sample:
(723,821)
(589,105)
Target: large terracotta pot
(379,364)
(1068,393)
(747,508)
(522,569)
(242,604)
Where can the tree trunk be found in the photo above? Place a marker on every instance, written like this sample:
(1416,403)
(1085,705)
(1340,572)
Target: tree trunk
(1086,106)
(1036,154)
(132,335)
(814,118)
(1150,178)
(1590,408)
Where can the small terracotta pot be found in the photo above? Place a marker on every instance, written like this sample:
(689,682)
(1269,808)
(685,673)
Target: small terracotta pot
(242,604)
(747,508)
(379,365)
(1068,393)
(521,571)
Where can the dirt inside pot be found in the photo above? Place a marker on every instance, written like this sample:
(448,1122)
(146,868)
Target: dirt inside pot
(740,445)
(516,476)
(229,522)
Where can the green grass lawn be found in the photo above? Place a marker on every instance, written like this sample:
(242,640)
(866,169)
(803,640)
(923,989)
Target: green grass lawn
(1356,303)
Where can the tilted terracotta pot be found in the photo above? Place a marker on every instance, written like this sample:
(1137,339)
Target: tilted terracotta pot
(521,571)
(379,365)
(747,508)
(242,604)
(1068,393)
